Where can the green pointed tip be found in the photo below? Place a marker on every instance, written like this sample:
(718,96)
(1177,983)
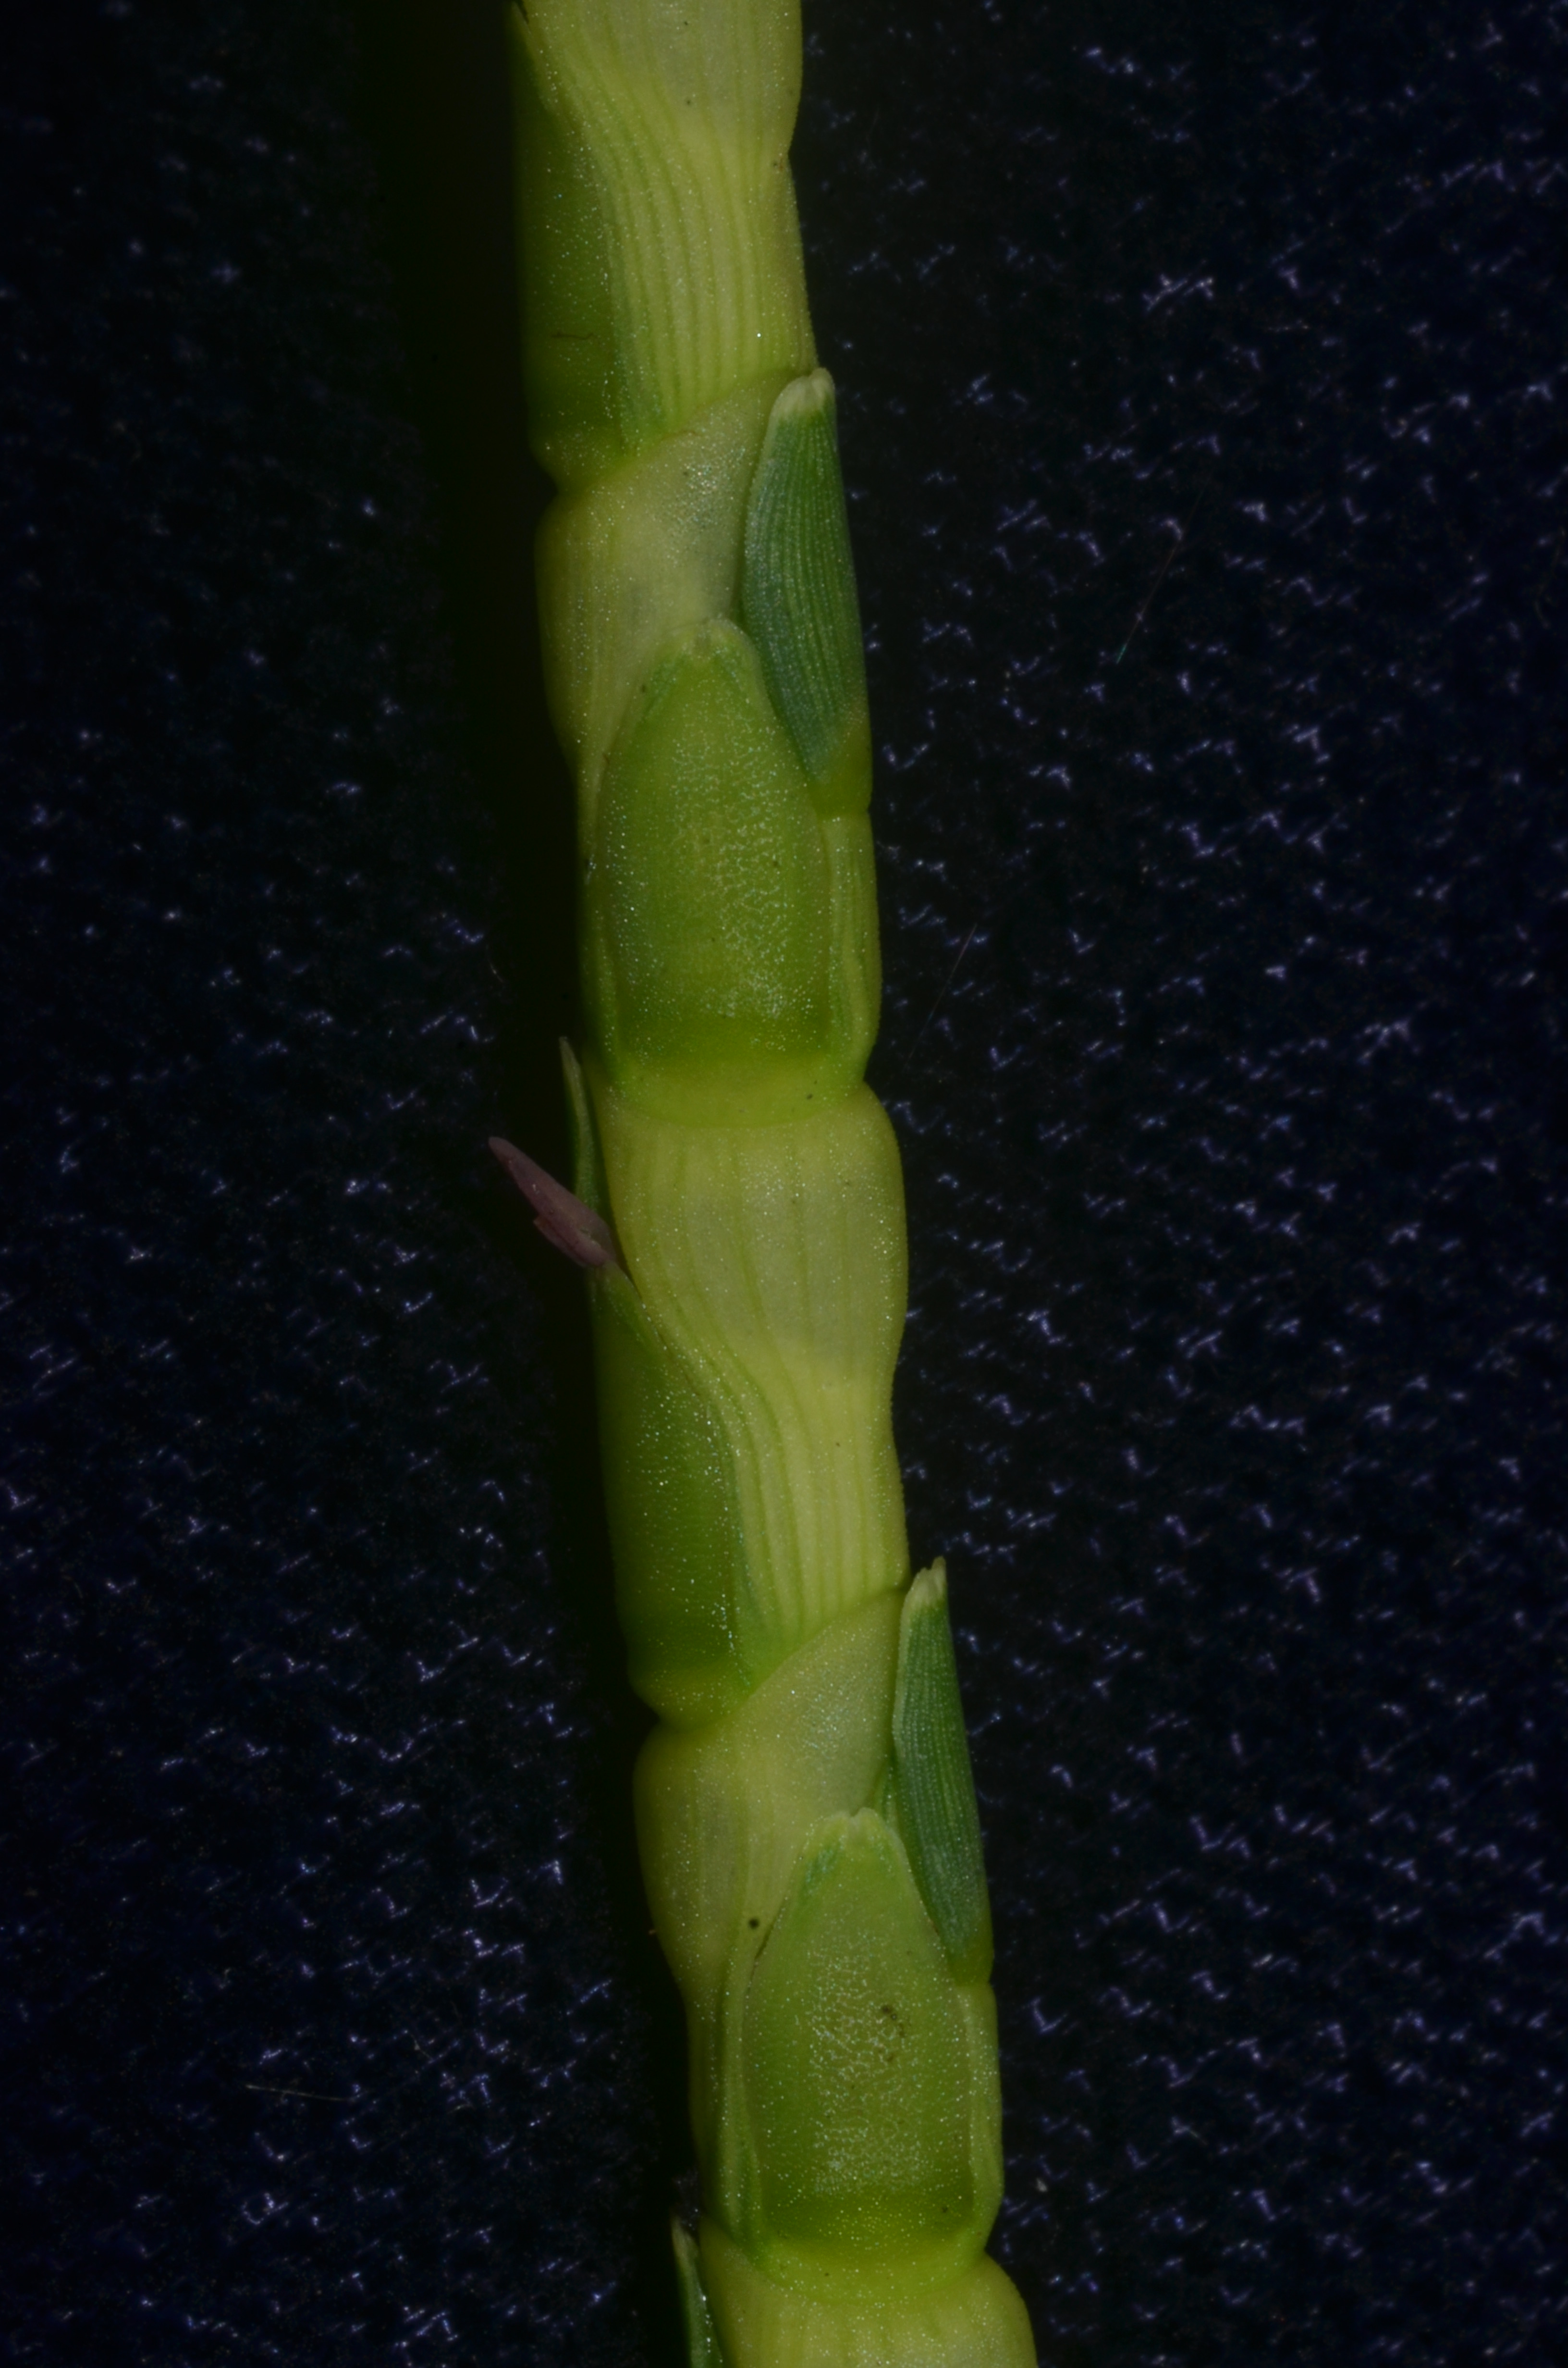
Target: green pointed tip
(587,1161)
(927,1593)
(933,1790)
(807,398)
(798,595)
(701,2342)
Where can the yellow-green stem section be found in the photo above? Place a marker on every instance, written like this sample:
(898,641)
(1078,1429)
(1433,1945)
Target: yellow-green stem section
(804,1809)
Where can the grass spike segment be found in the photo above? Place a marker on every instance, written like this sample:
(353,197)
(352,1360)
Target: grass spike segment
(805,1810)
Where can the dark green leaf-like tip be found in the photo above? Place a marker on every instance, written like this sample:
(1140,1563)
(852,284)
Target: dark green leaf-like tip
(933,1788)
(798,595)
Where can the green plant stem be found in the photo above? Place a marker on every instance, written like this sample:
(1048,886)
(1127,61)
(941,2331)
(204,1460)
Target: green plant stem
(805,1811)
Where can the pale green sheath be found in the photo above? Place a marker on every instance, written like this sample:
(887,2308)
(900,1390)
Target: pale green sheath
(805,1809)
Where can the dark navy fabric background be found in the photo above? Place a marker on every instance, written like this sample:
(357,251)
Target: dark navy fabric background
(1203,376)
